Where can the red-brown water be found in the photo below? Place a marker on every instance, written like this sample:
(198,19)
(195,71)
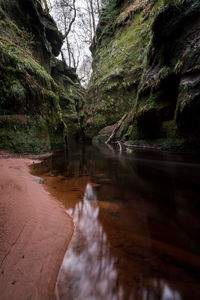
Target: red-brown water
(137,223)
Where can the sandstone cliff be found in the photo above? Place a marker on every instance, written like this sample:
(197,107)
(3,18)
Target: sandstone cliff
(36,109)
(146,74)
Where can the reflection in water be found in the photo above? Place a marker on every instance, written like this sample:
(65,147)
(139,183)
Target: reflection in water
(168,294)
(89,193)
(137,227)
(88,269)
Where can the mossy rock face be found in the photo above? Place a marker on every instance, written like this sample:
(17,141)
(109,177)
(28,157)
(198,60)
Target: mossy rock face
(147,53)
(26,88)
(119,60)
(46,39)
(171,79)
(29,39)
(23,133)
(29,101)
(71,95)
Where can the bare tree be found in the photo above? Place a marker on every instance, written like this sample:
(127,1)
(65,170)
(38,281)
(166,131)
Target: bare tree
(77,20)
(47,5)
(73,9)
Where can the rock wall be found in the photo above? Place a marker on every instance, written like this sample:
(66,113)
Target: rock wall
(146,74)
(71,95)
(33,111)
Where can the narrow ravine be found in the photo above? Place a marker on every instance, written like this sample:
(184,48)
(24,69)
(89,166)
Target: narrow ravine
(114,215)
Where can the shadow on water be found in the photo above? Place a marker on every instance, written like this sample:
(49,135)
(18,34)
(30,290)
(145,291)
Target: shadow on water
(136,218)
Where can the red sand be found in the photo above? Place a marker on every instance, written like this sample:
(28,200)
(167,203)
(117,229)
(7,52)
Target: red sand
(34,234)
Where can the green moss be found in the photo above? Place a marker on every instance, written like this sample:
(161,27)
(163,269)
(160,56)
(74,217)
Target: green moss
(49,95)
(120,62)
(18,91)
(148,103)
(26,88)
(154,70)
(134,131)
(23,133)
(22,63)
(178,67)
(123,52)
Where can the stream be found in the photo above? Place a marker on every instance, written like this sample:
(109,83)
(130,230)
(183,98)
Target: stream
(137,222)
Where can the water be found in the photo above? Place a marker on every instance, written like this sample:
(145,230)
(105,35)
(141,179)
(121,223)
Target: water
(137,223)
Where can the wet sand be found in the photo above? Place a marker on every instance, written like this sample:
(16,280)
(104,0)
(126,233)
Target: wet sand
(34,234)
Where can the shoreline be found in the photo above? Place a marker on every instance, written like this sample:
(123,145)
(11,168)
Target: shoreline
(35,231)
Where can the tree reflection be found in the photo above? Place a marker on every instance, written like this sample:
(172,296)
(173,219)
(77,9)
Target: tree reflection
(89,268)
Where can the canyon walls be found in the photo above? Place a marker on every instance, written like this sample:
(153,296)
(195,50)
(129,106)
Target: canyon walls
(145,86)
(39,95)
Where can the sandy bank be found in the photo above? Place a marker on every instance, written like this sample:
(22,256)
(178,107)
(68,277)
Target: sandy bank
(34,234)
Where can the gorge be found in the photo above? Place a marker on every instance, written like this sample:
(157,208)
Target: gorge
(113,190)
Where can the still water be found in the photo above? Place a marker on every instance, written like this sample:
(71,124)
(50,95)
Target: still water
(137,223)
